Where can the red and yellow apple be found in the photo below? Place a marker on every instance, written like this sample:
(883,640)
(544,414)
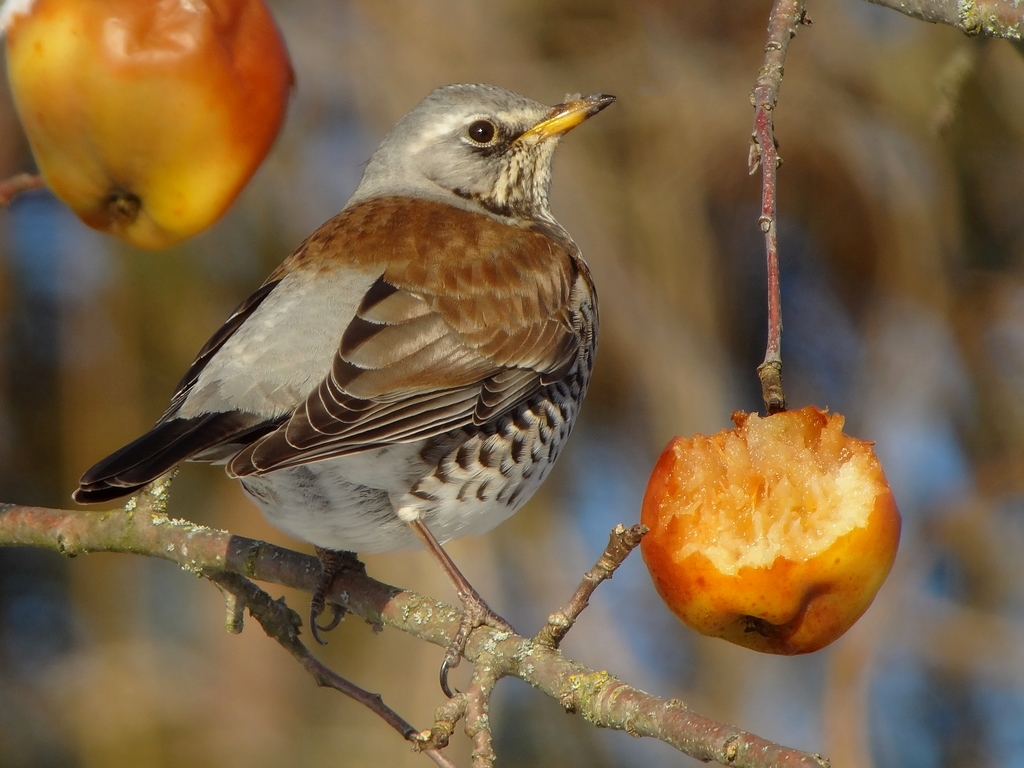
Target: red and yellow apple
(147,117)
(775,535)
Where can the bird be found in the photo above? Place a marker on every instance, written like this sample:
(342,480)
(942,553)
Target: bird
(410,373)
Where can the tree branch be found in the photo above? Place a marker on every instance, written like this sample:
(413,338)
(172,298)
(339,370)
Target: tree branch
(621,542)
(22,182)
(282,624)
(599,697)
(992,18)
(785,17)
(478,713)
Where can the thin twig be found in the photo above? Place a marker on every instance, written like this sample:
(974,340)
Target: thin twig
(22,182)
(478,722)
(445,719)
(621,542)
(597,696)
(992,18)
(785,17)
(282,624)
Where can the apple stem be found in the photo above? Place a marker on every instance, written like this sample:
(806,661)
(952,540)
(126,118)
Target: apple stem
(22,182)
(785,17)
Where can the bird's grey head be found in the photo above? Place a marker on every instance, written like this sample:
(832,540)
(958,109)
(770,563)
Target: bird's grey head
(476,146)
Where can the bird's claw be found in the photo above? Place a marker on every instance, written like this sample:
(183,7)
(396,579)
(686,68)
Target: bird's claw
(475,614)
(316,610)
(331,564)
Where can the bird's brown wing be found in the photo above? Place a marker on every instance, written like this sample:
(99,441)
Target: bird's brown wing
(469,317)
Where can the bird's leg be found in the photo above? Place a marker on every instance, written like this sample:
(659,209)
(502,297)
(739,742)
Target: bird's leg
(475,611)
(332,562)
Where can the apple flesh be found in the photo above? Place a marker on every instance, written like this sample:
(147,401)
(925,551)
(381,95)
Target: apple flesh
(147,117)
(775,535)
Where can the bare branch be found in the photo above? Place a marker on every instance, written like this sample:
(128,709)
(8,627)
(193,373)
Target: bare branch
(445,719)
(597,696)
(282,624)
(992,18)
(621,542)
(22,182)
(609,703)
(786,16)
(478,723)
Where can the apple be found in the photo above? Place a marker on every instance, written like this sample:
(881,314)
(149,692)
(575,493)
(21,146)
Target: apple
(147,117)
(775,535)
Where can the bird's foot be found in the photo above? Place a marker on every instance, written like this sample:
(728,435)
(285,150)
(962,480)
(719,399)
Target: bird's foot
(475,613)
(332,563)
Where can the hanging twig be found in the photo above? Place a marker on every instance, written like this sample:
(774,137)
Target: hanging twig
(785,17)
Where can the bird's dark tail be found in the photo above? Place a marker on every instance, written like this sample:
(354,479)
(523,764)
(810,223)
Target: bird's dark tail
(170,442)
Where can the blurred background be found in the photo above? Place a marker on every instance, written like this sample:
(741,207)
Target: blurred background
(901,210)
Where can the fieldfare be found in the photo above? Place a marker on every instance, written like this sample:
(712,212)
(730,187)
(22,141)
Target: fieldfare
(411,372)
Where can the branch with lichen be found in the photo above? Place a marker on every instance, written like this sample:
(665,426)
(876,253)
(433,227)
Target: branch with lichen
(143,528)
(991,18)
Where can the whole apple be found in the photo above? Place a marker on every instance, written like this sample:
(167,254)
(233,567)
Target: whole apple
(147,117)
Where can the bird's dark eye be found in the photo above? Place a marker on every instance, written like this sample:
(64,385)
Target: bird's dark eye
(481,131)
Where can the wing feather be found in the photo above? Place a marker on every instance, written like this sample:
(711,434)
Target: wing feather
(469,318)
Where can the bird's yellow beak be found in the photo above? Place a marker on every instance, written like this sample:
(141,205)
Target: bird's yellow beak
(566,116)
